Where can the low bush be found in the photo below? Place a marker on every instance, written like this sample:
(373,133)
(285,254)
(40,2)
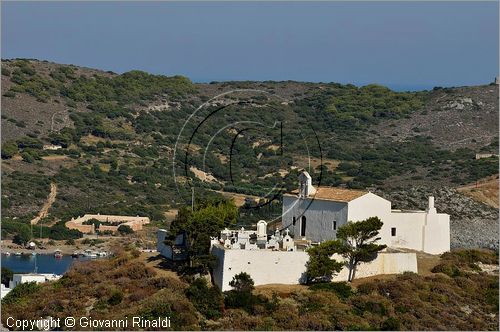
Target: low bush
(449,269)
(207,300)
(391,324)
(20,292)
(342,289)
(115,298)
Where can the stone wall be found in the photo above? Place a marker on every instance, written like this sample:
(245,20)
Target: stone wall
(135,223)
(289,267)
(88,229)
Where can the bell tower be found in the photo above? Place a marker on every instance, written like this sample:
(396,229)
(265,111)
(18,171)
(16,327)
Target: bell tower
(305,185)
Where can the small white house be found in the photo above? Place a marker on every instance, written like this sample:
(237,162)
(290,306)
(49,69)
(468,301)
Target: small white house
(4,291)
(315,214)
(175,252)
(21,278)
(52,147)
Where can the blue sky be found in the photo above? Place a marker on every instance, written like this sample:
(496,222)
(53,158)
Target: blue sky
(403,45)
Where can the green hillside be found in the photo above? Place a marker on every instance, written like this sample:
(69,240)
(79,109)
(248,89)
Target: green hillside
(123,151)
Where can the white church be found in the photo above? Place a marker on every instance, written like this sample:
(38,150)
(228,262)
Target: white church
(315,214)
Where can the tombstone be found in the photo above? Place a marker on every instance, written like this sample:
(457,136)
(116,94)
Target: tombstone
(261,230)
(288,243)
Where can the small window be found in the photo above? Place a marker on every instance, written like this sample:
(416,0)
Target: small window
(294,221)
(393,231)
(334,225)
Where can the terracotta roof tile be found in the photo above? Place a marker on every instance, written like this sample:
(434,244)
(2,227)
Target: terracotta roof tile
(335,194)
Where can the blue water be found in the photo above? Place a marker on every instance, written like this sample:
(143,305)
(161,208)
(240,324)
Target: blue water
(44,263)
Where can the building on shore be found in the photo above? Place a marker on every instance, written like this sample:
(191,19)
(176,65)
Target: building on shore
(107,223)
(4,291)
(485,155)
(21,278)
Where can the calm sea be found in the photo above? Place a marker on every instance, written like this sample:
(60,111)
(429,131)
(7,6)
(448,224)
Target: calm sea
(44,263)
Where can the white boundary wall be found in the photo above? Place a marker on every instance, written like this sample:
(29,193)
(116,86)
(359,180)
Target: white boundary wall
(289,267)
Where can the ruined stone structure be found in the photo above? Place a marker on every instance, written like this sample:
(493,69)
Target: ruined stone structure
(135,223)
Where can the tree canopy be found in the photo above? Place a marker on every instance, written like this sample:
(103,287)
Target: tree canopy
(357,242)
(206,221)
(321,267)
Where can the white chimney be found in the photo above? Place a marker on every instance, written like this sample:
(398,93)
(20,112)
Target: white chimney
(431,208)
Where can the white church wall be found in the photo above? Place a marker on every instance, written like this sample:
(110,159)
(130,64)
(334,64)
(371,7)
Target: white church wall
(436,235)
(219,273)
(320,216)
(385,263)
(367,206)
(408,227)
(281,267)
(264,266)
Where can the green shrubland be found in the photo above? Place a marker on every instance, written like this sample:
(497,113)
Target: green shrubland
(123,286)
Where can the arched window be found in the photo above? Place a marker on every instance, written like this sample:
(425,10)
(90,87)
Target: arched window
(334,225)
(294,221)
(303,226)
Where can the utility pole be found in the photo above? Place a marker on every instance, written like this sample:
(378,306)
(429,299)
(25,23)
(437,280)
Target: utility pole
(192,198)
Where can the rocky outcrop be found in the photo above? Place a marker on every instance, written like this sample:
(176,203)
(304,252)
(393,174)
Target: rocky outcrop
(473,224)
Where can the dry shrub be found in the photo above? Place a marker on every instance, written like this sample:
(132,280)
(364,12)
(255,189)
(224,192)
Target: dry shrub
(471,256)
(173,304)
(165,282)
(103,290)
(134,270)
(315,321)
(121,259)
(287,315)
(240,320)
(139,295)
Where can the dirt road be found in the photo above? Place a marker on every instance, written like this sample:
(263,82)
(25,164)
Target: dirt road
(45,208)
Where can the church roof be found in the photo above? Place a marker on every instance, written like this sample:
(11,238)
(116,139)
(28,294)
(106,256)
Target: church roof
(334,194)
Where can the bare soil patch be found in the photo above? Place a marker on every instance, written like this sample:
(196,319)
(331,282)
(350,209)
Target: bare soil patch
(485,191)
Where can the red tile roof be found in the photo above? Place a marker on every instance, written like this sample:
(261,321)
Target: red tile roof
(334,194)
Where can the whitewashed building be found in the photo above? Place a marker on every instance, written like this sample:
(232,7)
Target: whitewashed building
(4,291)
(177,251)
(313,215)
(20,278)
(279,259)
(316,214)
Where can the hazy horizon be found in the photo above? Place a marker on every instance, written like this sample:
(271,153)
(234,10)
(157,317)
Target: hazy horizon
(405,46)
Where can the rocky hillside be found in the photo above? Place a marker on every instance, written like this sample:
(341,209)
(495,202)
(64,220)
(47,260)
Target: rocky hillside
(464,117)
(120,149)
